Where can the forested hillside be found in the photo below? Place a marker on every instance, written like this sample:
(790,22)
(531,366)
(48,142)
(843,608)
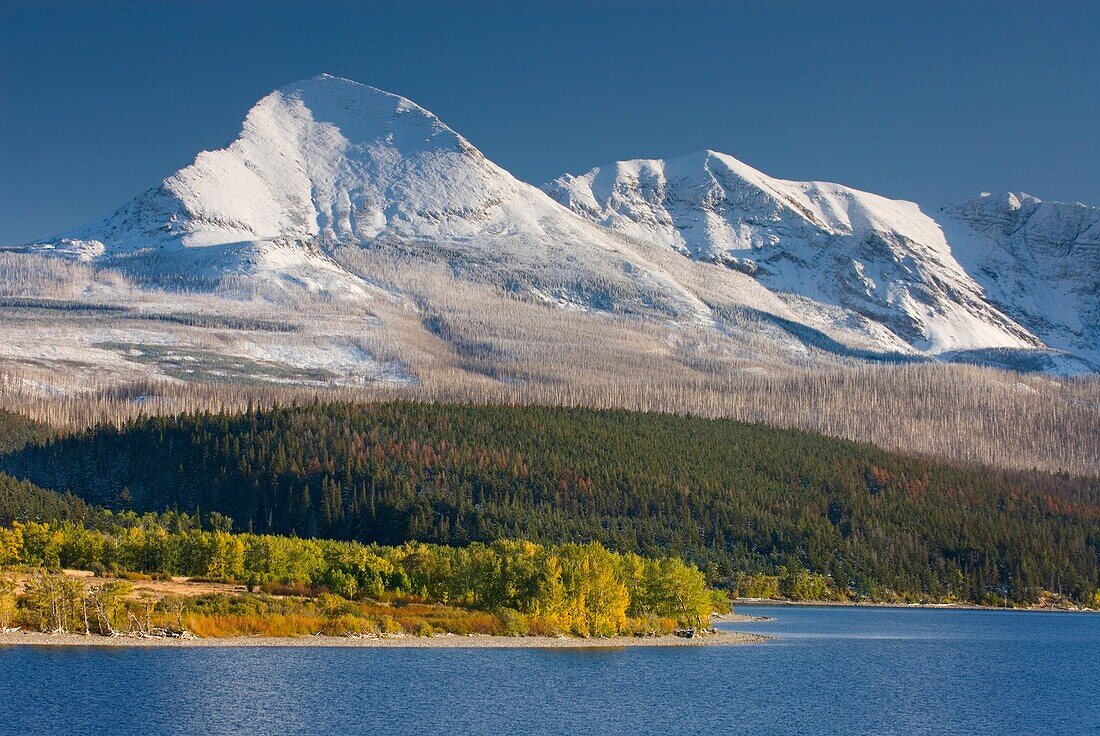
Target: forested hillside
(734,498)
(23,501)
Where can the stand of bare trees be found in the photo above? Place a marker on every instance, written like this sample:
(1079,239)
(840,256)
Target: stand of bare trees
(961,413)
(455,338)
(56,603)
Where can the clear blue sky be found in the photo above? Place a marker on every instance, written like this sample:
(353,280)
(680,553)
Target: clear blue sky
(99,101)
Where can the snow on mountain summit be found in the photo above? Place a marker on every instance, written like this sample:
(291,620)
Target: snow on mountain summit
(710,203)
(327,164)
(322,157)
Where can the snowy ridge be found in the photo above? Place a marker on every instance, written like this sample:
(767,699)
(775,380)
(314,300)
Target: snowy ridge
(335,159)
(884,259)
(322,157)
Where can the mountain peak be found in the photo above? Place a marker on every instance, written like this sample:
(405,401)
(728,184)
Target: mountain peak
(1004,200)
(1011,209)
(359,111)
(1068,231)
(332,85)
(324,156)
(836,245)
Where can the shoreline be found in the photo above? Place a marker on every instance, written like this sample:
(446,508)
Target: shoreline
(442,641)
(869,604)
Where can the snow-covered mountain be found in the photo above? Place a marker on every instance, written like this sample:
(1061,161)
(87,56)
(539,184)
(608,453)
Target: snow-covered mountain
(329,163)
(325,158)
(399,234)
(1017,274)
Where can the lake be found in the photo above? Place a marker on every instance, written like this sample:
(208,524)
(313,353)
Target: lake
(832,670)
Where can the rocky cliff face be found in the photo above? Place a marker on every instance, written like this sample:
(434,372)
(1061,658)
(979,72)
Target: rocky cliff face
(1037,261)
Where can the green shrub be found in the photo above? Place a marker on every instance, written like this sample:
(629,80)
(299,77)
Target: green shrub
(390,625)
(513,623)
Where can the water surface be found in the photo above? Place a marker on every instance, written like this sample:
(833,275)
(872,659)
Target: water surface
(832,670)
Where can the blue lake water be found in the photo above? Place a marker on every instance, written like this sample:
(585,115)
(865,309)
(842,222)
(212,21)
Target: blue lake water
(831,671)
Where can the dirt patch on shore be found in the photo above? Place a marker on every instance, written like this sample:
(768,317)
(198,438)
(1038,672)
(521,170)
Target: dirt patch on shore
(159,588)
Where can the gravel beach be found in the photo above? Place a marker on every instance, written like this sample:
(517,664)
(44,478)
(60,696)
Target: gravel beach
(444,641)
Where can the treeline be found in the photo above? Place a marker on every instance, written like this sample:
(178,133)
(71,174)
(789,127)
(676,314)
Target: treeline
(579,589)
(735,499)
(16,431)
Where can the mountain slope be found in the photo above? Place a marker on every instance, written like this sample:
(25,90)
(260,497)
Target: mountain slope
(880,258)
(323,157)
(1037,261)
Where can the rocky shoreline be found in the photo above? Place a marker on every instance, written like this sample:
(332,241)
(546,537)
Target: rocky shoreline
(442,641)
(872,604)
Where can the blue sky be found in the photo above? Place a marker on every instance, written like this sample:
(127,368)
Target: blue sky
(99,101)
